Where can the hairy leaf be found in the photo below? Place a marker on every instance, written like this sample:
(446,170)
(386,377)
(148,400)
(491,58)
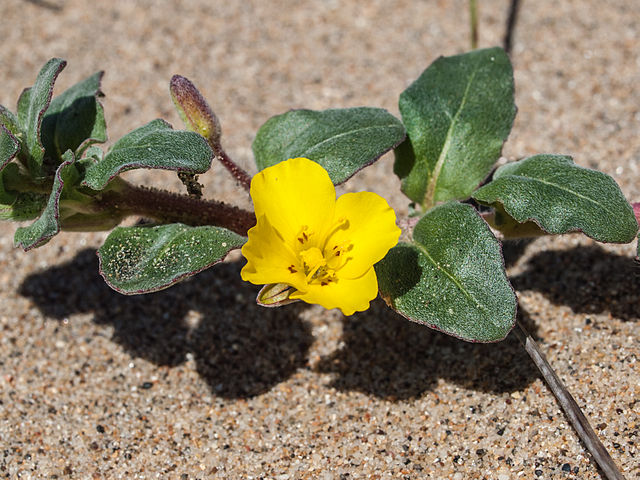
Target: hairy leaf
(48,225)
(451,276)
(458,114)
(32,105)
(561,197)
(18,206)
(145,259)
(9,121)
(154,145)
(9,146)
(343,141)
(75,119)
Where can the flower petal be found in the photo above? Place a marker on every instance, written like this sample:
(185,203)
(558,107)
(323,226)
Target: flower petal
(370,229)
(293,194)
(349,295)
(269,259)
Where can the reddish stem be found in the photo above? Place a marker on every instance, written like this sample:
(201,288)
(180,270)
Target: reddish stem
(168,207)
(239,174)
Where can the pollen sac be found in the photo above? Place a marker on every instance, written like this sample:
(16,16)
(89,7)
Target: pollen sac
(275,295)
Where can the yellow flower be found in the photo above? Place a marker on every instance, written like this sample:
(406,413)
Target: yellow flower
(322,247)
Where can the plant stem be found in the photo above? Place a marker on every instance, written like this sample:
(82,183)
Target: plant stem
(167,207)
(243,177)
(473,20)
(569,406)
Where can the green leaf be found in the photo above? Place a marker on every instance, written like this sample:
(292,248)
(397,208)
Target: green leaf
(154,145)
(9,146)
(48,225)
(458,114)
(93,153)
(561,197)
(75,119)
(343,141)
(636,212)
(9,121)
(32,104)
(149,258)
(451,276)
(18,206)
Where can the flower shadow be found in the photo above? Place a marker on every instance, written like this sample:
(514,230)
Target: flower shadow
(385,355)
(240,349)
(587,279)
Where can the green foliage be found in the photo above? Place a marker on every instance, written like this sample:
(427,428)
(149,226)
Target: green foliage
(48,225)
(9,146)
(154,145)
(149,258)
(74,119)
(32,104)
(9,121)
(18,206)
(450,276)
(561,197)
(343,141)
(457,114)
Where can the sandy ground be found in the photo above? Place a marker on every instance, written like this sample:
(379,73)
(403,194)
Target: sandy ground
(198,382)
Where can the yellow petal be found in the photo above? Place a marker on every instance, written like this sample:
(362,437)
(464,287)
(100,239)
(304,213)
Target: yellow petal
(349,295)
(293,194)
(269,259)
(370,229)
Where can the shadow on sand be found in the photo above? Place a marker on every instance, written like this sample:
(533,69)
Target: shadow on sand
(242,350)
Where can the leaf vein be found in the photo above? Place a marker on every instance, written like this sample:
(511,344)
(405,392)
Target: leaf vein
(428,198)
(451,277)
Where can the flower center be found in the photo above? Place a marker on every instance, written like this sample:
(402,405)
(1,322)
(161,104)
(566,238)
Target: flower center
(315,266)
(321,258)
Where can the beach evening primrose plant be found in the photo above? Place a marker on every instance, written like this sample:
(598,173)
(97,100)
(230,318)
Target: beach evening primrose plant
(300,242)
(323,249)
(446,273)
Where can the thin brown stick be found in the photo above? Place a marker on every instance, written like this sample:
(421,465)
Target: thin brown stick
(511,25)
(570,407)
(473,24)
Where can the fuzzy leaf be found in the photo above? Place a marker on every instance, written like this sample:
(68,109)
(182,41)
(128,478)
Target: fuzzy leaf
(48,225)
(9,121)
(18,206)
(458,114)
(562,197)
(154,145)
(343,141)
(451,276)
(32,104)
(9,146)
(149,258)
(75,119)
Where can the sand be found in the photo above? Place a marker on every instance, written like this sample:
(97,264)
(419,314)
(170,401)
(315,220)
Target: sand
(198,382)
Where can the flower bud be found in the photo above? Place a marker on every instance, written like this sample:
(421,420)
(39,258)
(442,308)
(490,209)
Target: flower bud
(194,110)
(275,295)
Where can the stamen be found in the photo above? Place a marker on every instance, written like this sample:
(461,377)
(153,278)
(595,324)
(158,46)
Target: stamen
(304,234)
(340,223)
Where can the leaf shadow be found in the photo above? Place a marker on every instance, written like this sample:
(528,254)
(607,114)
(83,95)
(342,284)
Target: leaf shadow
(512,250)
(240,349)
(387,356)
(587,279)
